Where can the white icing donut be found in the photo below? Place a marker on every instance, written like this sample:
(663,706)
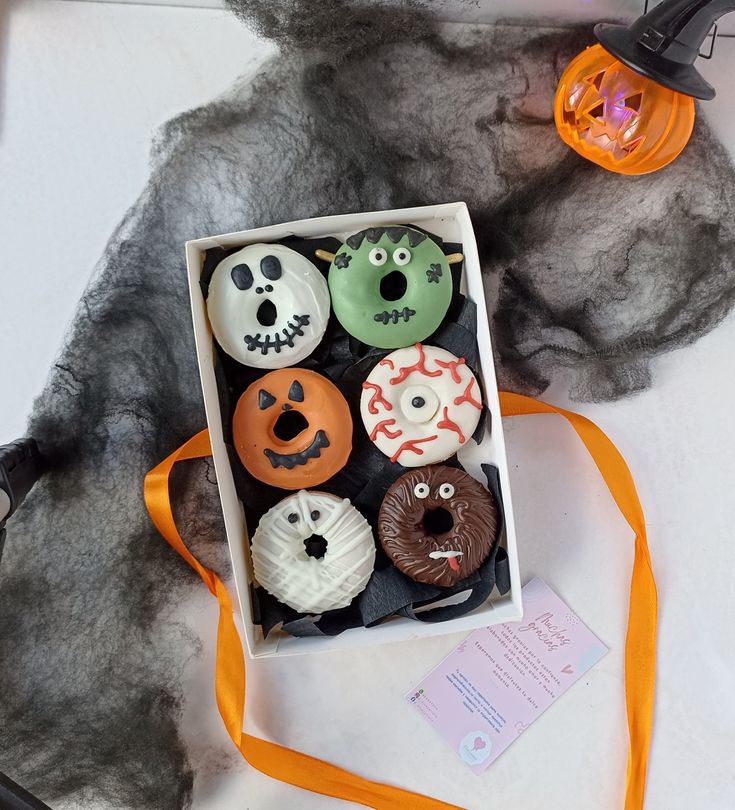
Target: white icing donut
(306,583)
(268,306)
(420,405)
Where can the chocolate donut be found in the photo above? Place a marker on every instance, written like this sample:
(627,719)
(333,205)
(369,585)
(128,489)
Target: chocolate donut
(437,524)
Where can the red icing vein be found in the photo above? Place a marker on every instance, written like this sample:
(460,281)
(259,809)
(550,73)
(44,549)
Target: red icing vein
(447,424)
(419,365)
(386,361)
(377,398)
(467,396)
(452,366)
(410,446)
(383,427)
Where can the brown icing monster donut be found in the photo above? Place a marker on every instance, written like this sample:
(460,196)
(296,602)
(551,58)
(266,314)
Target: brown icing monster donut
(292,429)
(437,524)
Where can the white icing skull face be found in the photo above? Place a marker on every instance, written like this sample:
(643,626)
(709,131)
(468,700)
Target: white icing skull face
(268,306)
(313,552)
(420,405)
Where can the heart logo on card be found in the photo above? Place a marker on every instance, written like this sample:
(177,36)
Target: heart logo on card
(568,670)
(479,744)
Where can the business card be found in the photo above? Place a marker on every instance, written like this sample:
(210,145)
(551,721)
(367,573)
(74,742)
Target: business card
(492,686)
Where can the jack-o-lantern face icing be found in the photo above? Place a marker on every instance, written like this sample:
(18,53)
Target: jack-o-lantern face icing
(420,405)
(617,118)
(437,524)
(268,306)
(292,428)
(390,286)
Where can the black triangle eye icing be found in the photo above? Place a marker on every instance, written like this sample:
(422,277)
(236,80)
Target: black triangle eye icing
(265,400)
(296,392)
(270,267)
(242,276)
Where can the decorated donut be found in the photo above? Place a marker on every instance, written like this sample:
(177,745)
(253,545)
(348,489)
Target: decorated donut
(292,428)
(314,552)
(268,306)
(420,405)
(437,524)
(390,286)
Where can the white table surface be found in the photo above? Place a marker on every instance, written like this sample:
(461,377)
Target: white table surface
(68,175)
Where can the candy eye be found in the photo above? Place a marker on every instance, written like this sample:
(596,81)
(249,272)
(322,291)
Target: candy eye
(401,256)
(378,257)
(421,490)
(292,518)
(446,491)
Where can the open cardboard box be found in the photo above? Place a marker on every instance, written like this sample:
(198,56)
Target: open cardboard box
(452,223)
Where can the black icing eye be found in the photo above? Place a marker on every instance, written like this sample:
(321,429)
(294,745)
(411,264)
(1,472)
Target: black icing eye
(265,400)
(316,514)
(292,518)
(270,267)
(242,277)
(296,392)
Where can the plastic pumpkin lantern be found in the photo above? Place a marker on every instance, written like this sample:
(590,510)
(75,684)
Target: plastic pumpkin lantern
(617,118)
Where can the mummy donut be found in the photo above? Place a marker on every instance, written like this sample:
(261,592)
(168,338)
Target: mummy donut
(420,405)
(437,525)
(292,428)
(391,286)
(314,552)
(268,306)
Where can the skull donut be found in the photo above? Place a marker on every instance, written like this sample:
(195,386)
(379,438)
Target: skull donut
(437,525)
(268,306)
(420,405)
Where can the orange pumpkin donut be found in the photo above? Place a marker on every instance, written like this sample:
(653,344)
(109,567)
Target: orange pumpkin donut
(292,429)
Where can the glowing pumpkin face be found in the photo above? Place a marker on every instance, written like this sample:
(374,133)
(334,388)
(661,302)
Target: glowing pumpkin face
(292,429)
(617,118)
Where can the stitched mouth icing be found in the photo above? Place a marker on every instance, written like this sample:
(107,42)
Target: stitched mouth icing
(291,460)
(275,341)
(386,317)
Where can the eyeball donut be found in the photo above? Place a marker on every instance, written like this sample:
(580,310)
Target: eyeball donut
(420,405)
(437,525)
(268,306)
(314,552)
(390,286)
(292,428)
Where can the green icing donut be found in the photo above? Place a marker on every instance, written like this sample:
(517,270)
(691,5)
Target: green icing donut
(390,286)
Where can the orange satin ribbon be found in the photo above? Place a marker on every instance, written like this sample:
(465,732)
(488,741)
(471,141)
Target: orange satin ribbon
(318,776)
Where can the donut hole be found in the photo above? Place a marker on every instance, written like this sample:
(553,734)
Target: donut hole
(289,424)
(438,521)
(393,286)
(316,546)
(267,313)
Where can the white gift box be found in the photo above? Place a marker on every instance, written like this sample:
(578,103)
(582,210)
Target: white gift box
(452,223)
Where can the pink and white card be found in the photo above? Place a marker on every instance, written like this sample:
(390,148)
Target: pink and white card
(491,687)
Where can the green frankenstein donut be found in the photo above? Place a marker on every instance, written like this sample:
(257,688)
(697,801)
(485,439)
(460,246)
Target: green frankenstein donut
(390,286)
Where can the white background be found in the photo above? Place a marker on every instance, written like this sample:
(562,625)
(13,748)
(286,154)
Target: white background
(83,89)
